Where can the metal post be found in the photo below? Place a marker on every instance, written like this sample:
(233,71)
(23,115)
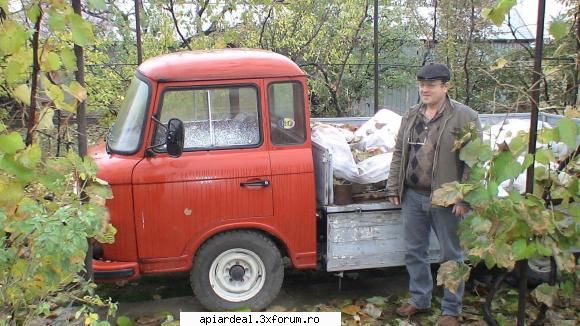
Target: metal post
(522,265)
(138,31)
(376,46)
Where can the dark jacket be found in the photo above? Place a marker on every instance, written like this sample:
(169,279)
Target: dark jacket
(447,167)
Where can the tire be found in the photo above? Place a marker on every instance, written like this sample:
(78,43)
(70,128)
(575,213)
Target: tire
(235,270)
(539,271)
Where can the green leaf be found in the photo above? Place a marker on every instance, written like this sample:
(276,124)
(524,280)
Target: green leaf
(498,13)
(558,29)
(515,196)
(489,261)
(505,167)
(98,4)
(547,135)
(11,143)
(69,59)
(2,127)
(51,62)
(8,164)
(33,13)
(30,157)
(15,69)
(528,160)
(545,156)
(568,130)
(519,249)
(124,321)
(478,196)
(22,94)
(82,31)
(56,21)
(474,152)
(12,38)
(519,143)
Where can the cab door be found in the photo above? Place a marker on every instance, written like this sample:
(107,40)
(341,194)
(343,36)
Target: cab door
(222,176)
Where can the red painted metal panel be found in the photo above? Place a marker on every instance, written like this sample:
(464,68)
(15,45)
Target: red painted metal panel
(170,214)
(125,246)
(117,170)
(295,204)
(226,64)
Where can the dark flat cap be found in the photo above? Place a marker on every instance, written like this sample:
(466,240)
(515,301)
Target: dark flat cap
(434,71)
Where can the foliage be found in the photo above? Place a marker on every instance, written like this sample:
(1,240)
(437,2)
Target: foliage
(45,220)
(50,206)
(503,230)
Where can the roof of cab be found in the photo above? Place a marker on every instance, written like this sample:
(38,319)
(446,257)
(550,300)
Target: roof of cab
(219,65)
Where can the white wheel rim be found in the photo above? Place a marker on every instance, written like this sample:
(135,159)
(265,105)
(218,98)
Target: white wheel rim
(540,265)
(237,275)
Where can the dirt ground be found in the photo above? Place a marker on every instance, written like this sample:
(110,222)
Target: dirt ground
(150,300)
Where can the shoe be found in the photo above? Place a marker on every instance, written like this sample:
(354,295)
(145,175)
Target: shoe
(447,320)
(407,310)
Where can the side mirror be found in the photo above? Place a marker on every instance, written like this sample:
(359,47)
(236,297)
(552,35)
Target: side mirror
(175,137)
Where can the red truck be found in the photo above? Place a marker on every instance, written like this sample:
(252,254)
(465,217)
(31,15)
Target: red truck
(213,172)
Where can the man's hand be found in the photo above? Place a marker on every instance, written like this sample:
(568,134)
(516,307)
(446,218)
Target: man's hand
(459,210)
(395,200)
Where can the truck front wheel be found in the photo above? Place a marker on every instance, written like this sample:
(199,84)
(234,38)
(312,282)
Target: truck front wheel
(238,269)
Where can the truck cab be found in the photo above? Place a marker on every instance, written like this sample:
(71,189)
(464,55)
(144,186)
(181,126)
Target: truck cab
(236,195)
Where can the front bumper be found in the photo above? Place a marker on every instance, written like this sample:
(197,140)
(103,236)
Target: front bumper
(110,271)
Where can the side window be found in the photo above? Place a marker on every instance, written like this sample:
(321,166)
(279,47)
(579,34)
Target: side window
(286,107)
(213,117)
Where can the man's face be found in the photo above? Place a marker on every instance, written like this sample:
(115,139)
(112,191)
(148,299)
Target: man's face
(432,91)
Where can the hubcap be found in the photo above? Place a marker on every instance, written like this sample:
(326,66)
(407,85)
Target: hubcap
(540,265)
(237,275)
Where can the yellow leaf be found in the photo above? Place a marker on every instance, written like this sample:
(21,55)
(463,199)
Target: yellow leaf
(76,90)
(91,318)
(45,119)
(350,310)
(499,63)
(22,94)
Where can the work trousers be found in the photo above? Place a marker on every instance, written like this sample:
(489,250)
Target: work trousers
(419,216)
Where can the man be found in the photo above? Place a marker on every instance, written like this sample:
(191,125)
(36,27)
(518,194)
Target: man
(422,162)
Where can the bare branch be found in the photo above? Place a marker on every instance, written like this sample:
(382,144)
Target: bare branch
(170,8)
(513,32)
(264,26)
(467,51)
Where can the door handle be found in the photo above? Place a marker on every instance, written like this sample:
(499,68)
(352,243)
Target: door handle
(258,183)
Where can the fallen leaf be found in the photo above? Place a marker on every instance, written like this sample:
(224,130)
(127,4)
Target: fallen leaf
(378,301)
(372,311)
(277,309)
(350,310)
(150,320)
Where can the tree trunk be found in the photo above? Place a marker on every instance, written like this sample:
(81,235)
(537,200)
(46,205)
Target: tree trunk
(82,128)
(34,82)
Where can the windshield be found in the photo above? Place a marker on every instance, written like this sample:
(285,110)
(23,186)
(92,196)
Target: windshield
(125,134)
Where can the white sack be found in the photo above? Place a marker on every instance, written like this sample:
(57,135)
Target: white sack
(371,170)
(379,131)
(333,139)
